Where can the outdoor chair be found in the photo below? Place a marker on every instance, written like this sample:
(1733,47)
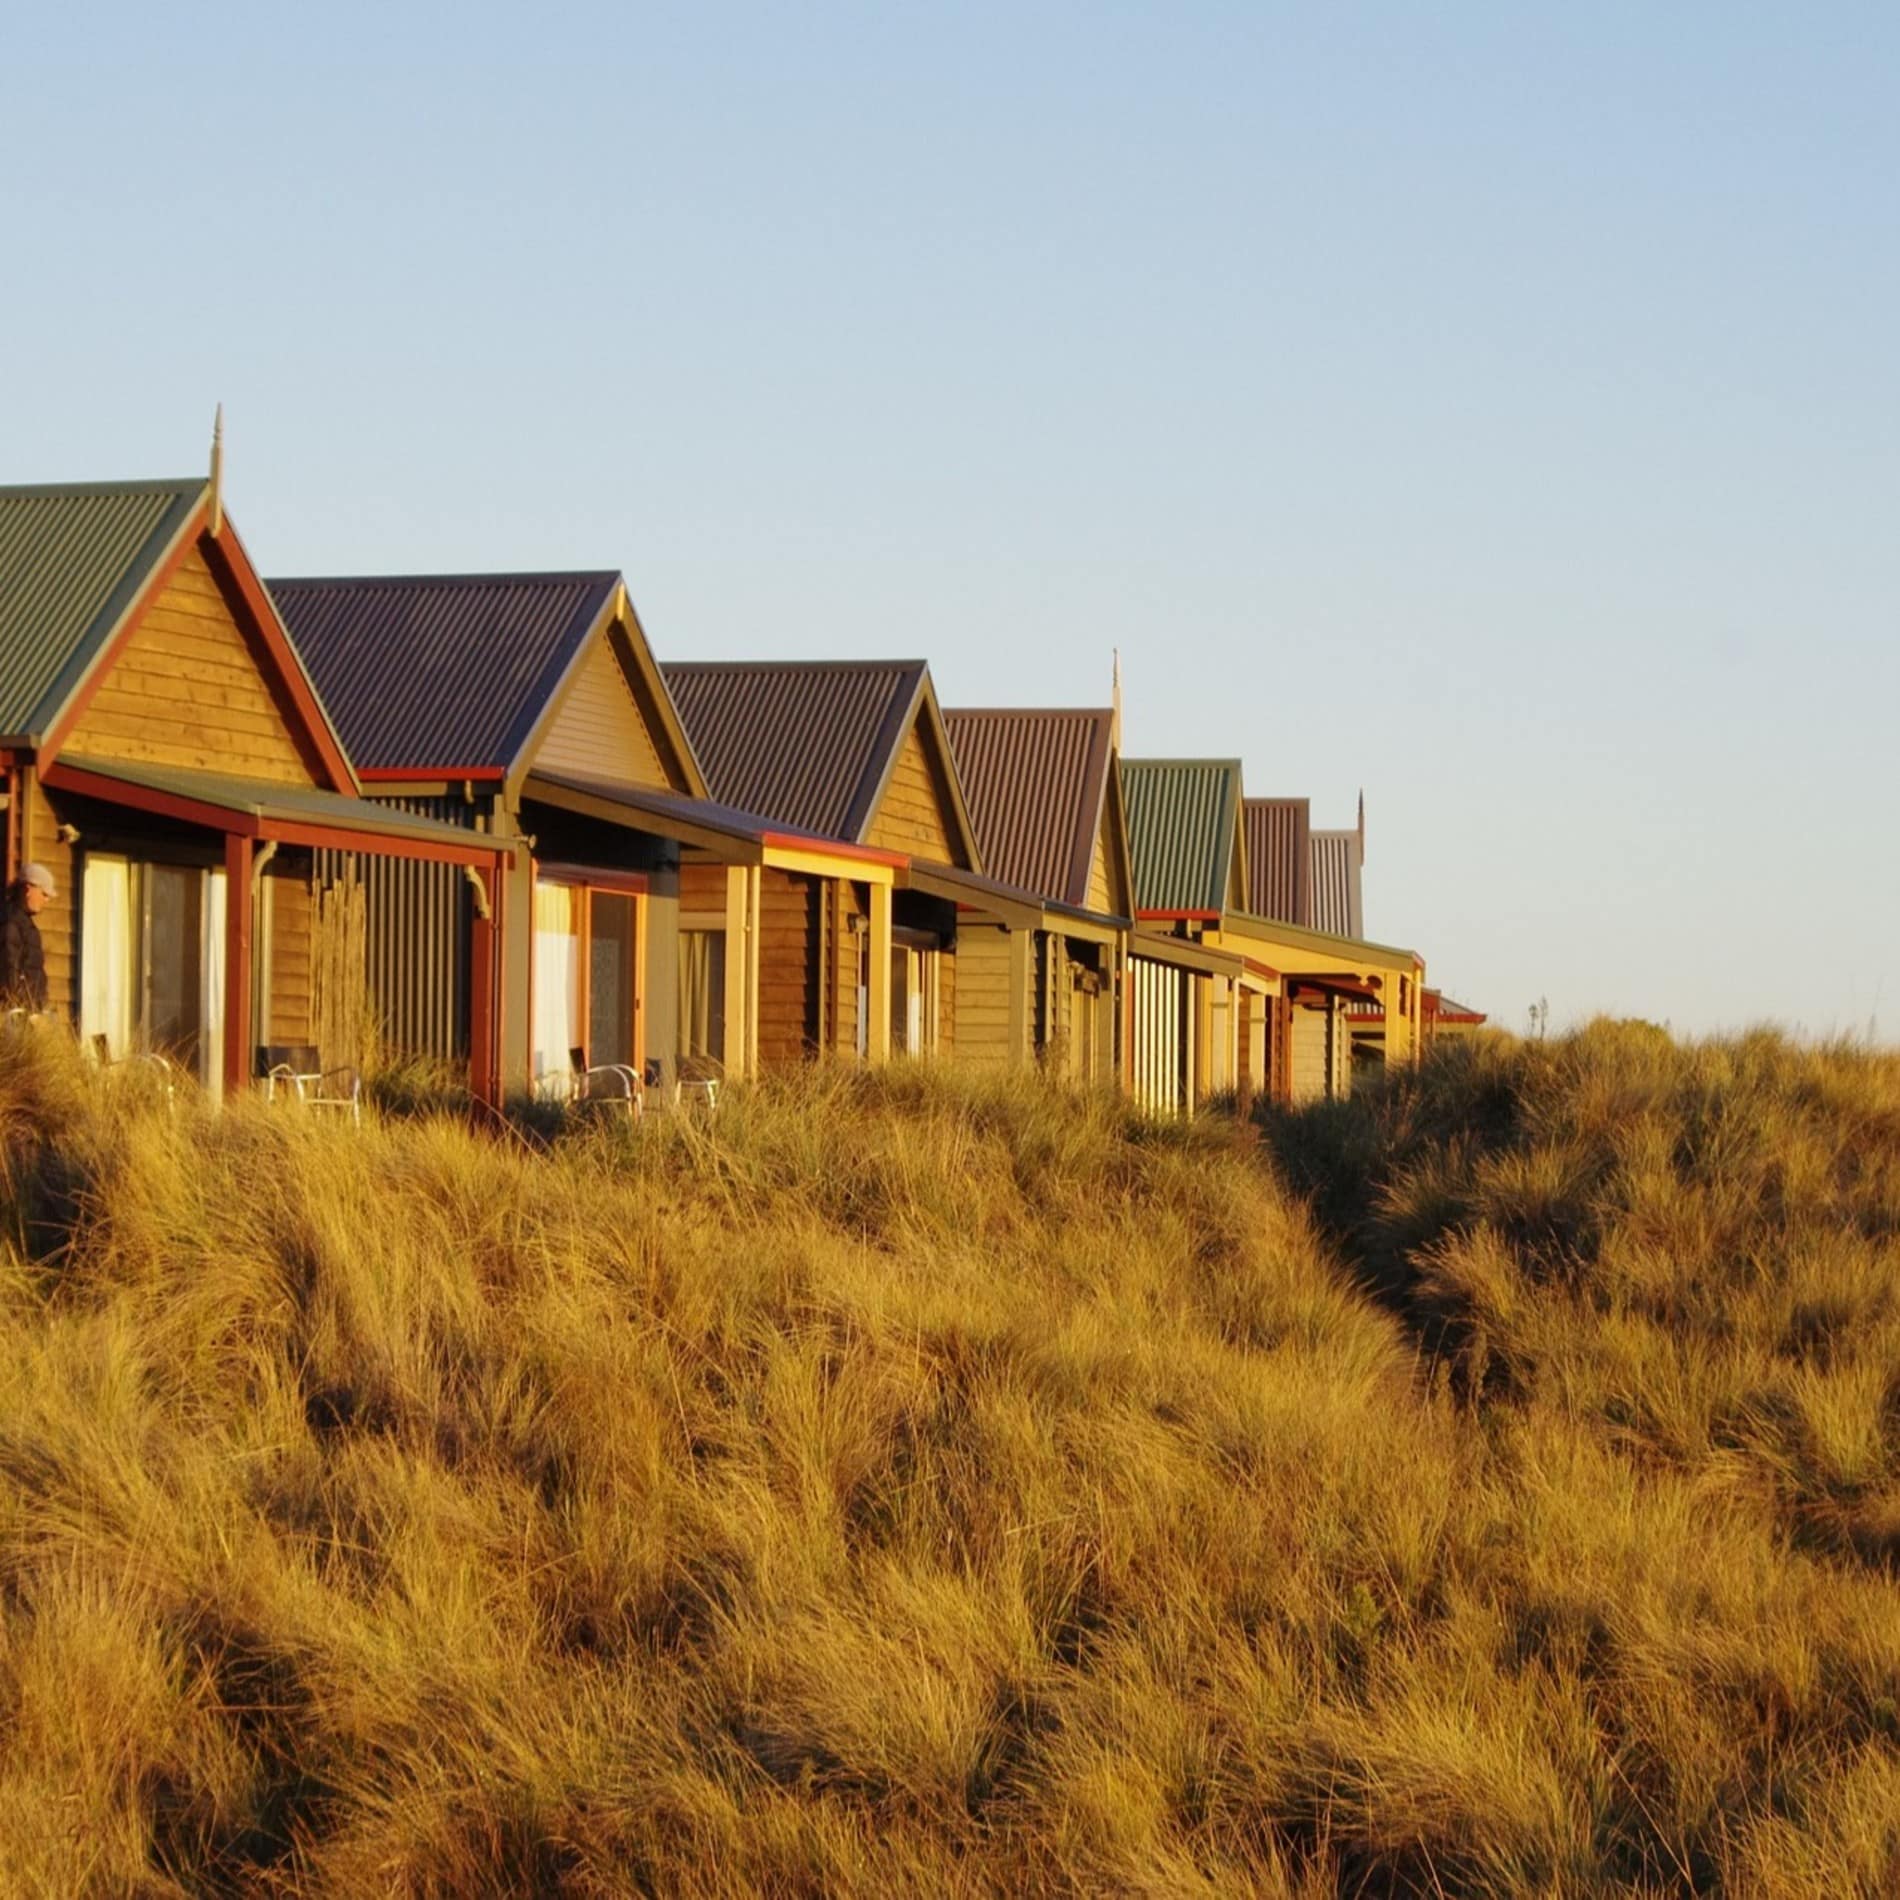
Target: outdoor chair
(606,1084)
(295,1071)
(696,1086)
(155,1070)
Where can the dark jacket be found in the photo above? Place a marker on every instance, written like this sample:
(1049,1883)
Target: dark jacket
(22,959)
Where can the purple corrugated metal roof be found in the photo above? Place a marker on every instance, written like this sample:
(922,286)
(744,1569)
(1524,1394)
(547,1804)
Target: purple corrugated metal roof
(805,742)
(1279,858)
(1036,782)
(446,671)
(1337,903)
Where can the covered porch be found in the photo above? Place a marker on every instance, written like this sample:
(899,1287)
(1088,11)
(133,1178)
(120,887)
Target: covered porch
(191,915)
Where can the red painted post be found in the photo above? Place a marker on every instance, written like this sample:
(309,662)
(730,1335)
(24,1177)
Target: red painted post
(237,963)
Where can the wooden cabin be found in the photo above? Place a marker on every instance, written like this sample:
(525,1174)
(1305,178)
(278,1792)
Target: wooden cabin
(1206,1021)
(1044,792)
(1311,928)
(854,752)
(167,758)
(529,707)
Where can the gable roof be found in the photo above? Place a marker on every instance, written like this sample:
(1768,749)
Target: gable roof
(1037,782)
(1183,832)
(1279,858)
(1338,905)
(437,671)
(79,564)
(452,674)
(811,743)
(74,560)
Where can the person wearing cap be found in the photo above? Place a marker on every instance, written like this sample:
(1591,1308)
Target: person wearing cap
(22,956)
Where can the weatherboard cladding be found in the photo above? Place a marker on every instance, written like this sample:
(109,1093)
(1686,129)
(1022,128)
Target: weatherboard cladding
(1035,783)
(445,671)
(1337,904)
(1279,859)
(805,743)
(72,561)
(1181,831)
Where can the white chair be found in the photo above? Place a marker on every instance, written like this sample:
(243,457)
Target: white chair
(613,1084)
(295,1072)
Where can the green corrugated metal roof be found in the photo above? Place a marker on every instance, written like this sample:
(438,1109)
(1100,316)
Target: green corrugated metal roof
(1182,820)
(293,804)
(72,561)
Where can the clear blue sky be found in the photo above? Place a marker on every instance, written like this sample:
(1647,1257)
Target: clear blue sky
(1497,406)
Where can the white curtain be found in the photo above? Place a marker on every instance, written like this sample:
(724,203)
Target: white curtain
(556,1014)
(211,990)
(106,938)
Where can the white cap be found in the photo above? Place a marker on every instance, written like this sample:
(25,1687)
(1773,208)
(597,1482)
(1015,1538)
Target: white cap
(39,877)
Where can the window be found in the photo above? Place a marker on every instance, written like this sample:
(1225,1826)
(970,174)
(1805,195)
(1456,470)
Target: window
(702,1000)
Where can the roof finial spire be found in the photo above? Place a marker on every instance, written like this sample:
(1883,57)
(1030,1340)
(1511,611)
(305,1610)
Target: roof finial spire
(1362,824)
(217,471)
(1115,722)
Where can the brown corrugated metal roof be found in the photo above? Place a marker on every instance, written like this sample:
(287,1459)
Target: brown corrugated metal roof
(1183,819)
(1037,783)
(805,742)
(1337,902)
(440,671)
(1279,858)
(73,559)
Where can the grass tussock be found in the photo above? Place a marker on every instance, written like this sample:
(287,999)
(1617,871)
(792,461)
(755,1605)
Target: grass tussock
(915,1483)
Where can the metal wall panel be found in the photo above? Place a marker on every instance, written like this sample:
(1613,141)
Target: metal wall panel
(417,938)
(1162,1000)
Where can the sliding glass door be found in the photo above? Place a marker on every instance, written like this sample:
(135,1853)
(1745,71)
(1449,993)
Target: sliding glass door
(586,979)
(151,962)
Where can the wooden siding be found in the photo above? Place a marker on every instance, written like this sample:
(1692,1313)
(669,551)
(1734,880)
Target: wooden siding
(598,728)
(947,1003)
(982,996)
(789,931)
(187,690)
(914,814)
(703,890)
(58,920)
(1101,886)
(842,953)
(289,1014)
(1320,1053)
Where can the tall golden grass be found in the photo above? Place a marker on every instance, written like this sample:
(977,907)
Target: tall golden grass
(915,1483)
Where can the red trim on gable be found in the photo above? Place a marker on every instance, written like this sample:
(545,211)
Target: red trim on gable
(264,634)
(1181,916)
(227,552)
(61,728)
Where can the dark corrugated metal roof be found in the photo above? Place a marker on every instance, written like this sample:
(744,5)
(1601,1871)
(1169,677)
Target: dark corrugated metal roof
(1337,901)
(805,742)
(1279,858)
(1036,782)
(440,671)
(73,559)
(1182,820)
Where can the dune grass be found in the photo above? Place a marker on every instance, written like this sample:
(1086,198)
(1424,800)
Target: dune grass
(916,1483)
